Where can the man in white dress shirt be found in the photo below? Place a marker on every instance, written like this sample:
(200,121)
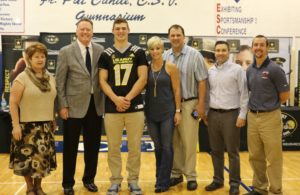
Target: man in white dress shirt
(228,96)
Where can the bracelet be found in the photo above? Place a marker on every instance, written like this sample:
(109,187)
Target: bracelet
(178,110)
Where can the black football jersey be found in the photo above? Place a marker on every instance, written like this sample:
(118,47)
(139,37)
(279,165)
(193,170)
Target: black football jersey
(122,74)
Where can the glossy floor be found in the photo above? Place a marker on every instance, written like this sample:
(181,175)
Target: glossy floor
(11,184)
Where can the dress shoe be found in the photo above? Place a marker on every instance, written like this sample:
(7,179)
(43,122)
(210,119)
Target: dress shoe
(213,186)
(68,191)
(234,190)
(91,187)
(160,189)
(176,180)
(192,185)
(253,193)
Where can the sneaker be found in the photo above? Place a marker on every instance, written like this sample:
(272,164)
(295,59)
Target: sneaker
(114,189)
(134,189)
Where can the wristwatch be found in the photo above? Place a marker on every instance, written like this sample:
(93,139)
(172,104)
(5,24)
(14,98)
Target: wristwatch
(178,110)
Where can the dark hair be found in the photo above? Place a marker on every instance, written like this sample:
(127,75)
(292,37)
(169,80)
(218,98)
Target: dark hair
(176,26)
(120,20)
(261,36)
(244,48)
(222,43)
(208,54)
(37,47)
(84,20)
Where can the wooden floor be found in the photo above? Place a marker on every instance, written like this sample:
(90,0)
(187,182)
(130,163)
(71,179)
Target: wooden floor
(11,184)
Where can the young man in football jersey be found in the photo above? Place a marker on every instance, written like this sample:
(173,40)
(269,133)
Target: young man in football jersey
(122,77)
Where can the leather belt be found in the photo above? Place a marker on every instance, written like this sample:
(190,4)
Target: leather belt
(258,111)
(223,110)
(188,99)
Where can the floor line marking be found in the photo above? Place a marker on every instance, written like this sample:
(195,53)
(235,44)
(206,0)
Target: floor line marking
(20,189)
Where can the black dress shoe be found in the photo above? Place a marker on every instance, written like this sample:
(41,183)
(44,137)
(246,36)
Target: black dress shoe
(68,191)
(176,180)
(234,190)
(213,186)
(160,190)
(253,193)
(91,187)
(192,185)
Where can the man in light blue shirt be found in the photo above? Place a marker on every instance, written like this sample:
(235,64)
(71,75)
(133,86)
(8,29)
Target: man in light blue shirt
(193,75)
(228,102)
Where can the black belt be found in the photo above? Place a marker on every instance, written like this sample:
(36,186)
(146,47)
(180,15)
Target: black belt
(222,110)
(258,111)
(188,99)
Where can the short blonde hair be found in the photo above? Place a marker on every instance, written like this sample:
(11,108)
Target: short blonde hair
(155,40)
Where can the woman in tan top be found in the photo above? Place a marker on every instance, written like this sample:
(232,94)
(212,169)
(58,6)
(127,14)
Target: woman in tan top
(32,110)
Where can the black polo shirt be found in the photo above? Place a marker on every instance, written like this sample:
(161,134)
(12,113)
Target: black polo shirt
(264,84)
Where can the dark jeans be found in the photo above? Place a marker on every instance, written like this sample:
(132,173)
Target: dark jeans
(162,135)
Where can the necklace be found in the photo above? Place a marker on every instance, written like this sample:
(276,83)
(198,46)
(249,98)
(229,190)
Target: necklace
(155,80)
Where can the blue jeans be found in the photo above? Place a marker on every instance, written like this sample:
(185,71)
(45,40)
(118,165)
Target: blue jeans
(162,135)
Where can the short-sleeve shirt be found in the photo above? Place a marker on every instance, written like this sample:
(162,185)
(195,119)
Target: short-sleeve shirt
(122,74)
(265,83)
(192,69)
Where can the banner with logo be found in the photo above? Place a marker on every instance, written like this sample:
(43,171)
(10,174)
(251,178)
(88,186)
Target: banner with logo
(291,132)
(12,48)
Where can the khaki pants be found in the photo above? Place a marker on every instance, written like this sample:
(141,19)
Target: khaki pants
(185,143)
(114,125)
(265,150)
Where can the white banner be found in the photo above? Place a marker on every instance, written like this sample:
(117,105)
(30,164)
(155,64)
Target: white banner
(150,16)
(252,17)
(12,16)
(198,17)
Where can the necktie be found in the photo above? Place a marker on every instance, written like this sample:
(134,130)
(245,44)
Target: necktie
(88,60)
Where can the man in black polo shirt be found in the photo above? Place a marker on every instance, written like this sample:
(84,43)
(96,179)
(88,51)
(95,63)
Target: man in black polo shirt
(268,89)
